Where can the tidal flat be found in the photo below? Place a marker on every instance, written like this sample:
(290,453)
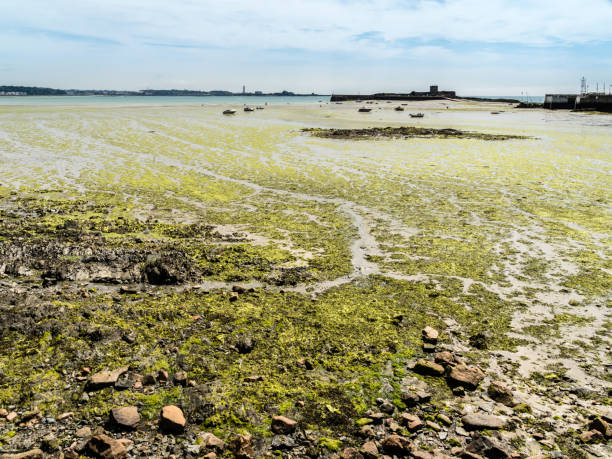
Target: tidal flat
(242,269)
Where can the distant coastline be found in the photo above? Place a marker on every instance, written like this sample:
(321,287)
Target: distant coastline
(38,91)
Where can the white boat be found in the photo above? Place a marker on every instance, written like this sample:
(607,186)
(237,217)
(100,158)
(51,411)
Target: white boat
(229,112)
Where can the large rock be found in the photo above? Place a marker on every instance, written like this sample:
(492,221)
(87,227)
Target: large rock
(369,450)
(397,445)
(411,421)
(283,425)
(430,335)
(104,447)
(466,376)
(351,453)
(601,426)
(32,454)
(487,447)
(592,436)
(500,393)
(415,397)
(446,358)
(211,441)
(166,271)
(477,421)
(426,367)
(126,417)
(172,419)
(105,378)
(242,447)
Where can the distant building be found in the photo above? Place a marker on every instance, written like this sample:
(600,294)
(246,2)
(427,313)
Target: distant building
(554,101)
(594,101)
(434,92)
(258,93)
(243,89)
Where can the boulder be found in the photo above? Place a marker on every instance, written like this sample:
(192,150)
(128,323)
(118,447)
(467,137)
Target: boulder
(242,447)
(411,421)
(397,445)
(105,378)
(180,378)
(369,450)
(172,419)
(83,432)
(466,376)
(430,335)
(426,367)
(126,417)
(500,393)
(283,425)
(210,441)
(351,453)
(415,397)
(601,426)
(477,421)
(487,447)
(591,436)
(104,447)
(162,376)
(446,358)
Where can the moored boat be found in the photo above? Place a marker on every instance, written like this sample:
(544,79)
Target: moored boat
(229,112)
(417,115)
(364,110)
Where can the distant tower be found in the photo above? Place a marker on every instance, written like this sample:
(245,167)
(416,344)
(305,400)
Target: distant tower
(243,89)
(583,86)
(433,90)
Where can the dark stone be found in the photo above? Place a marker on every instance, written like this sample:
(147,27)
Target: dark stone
(487,447)
(245,345)
(479,341)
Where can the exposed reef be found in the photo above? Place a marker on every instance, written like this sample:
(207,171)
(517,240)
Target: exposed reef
(406,132)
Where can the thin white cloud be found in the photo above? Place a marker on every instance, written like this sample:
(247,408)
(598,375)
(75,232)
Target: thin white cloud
(323,45)
(319,25)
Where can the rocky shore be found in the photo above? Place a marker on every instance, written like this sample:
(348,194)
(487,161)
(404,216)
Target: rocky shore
(178,284)
(70,300)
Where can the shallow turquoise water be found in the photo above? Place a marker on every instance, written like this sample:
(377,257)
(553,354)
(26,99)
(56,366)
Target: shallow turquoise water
(159,100)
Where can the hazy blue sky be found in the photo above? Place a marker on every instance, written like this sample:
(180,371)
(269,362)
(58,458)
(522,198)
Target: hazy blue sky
(478,47)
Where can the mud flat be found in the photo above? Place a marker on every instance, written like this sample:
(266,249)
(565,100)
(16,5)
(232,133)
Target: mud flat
(176,282)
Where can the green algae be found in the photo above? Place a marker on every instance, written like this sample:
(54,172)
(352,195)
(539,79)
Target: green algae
(442,208)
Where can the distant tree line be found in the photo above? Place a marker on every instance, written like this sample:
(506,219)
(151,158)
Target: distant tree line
(33,91)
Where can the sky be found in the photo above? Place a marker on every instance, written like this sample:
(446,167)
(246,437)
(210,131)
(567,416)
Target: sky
(476,47)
